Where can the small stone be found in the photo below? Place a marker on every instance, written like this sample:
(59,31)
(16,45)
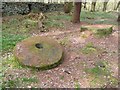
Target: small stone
(29,86)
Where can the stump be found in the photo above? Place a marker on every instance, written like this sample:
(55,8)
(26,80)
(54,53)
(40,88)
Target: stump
(38,52)
(99,30)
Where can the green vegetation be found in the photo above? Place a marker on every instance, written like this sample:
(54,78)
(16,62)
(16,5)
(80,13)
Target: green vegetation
(97,71)
(18,81)
(99,32)
(14,31)
(54,20)
(64,41)
(29,80)
(10,83)
(89,48)
(53,24)
(101,68)
(84,35)
(59,16)
(61,77)
(77,85)
(11,62)
(100,74)
(103,32)
(86,16)
(10,40)
(99,17)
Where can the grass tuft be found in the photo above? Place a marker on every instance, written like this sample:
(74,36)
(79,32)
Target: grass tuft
(100,68)
(11,62)
(29,80)
(89,49)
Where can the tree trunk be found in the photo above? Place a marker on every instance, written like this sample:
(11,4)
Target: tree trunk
(105,5)
(68,7)
(118,15)
(85,4)
(93,6)
(117,5)
(118,18)
(77,11)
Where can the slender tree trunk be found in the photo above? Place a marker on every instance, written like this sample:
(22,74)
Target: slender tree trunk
(93,6)
(118,15)
(117,5)
(77,11)
(118,18)
(85,4)
(105,5)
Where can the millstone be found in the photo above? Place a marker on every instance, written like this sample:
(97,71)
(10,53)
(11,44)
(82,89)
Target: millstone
(38,52)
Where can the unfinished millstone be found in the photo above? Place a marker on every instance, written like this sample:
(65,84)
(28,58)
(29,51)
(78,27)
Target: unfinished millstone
(98,30)
(38,52)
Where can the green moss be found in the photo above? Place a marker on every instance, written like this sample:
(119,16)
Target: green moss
(48,57)
(83,28)
(84,36)
(89,49)
(103,32)
(100,68)
(16,64)
(46,67)
(99,32)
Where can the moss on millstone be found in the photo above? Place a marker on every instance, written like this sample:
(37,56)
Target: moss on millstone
(39,52)
(100,31)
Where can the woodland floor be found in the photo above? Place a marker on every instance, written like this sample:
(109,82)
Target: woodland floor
(81,68)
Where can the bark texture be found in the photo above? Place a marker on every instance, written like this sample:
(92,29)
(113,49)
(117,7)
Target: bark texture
(93,6)
(105,5)
(77,11)
(117,5)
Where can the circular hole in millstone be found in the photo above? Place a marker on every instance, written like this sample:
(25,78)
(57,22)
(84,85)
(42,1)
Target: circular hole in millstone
(39,45)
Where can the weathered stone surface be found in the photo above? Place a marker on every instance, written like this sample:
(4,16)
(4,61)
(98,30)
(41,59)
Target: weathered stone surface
(38,52)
